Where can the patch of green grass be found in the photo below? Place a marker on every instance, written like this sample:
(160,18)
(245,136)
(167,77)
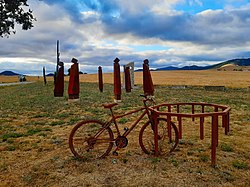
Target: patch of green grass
(41,115)
(73,121)
(125,160)
(31,132)
(56,123)
(10,148)
(227,175)
(154,160)
(174,162)
(5,137)
(239,165)
(63,115)
(123,120)
(32,123)
(226,148)
(10,141)
(42,134)
(204,158)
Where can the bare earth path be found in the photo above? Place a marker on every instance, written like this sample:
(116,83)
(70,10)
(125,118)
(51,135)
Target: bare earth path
(14,83)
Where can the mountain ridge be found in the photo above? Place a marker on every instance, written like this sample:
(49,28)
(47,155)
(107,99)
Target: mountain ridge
(9,73)
(237,62)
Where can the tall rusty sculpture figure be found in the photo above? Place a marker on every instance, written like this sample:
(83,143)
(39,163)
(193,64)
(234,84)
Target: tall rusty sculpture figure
(44,76)
(74,87)
(59,81)
(148,86)
(117,81)
(100,79)
(127,80)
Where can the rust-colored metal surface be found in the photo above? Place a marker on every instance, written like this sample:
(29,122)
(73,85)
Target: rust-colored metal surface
(74,84)
(127,80)
(205,110)
(100,79)
(117,80)
(100,138)
(59,81)
(148,86)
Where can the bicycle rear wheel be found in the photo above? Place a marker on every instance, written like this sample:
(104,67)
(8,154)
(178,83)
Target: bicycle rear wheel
(167,137)
(86,141)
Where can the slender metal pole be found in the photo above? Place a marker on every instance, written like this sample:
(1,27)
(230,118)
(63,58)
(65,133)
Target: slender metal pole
(57,55)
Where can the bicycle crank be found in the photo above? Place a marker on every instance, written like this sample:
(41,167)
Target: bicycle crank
(121,141)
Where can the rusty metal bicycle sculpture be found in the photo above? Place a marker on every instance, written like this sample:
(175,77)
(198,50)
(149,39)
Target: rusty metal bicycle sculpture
(93,139)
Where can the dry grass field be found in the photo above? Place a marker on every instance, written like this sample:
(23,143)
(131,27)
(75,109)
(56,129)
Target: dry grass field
(35,126)
(233,79)
(196,78)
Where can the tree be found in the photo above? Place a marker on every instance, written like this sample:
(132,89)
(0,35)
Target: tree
(13,12)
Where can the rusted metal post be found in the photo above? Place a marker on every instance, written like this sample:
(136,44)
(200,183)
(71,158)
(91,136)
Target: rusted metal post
(214,138)
(117,80)
(227,124)
(180,127)
(216,121)
(44,76)
(179,119)
(57,56)
(100,79)
(169,127)
(201,128)
(127,80)
(59,81)
(148,86)
(202,123)
(192,112)
(74,83)
(169,108)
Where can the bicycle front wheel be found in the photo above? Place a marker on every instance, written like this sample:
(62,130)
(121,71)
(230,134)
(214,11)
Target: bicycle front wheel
(167,137)
(88,140)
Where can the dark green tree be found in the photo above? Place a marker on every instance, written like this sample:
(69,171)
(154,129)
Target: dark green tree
(14,12)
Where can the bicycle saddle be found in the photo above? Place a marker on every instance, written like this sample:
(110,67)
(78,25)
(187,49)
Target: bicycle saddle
(109,105)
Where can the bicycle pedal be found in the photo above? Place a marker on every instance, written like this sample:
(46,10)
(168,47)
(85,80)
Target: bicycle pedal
(115,153)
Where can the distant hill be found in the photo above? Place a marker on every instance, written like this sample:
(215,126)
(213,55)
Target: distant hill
(193,67)
(9,73)
(50,75)
(236,62)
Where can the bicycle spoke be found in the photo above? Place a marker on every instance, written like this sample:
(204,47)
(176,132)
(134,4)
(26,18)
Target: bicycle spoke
(165,146)
(83,144)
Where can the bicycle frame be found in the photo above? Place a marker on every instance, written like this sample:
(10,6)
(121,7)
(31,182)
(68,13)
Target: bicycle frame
(101,140)
(114,117)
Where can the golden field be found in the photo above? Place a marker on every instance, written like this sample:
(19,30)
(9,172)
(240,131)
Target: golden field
(234,79)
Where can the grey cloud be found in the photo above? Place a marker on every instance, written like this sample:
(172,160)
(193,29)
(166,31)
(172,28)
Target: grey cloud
(217,36)
(213,28)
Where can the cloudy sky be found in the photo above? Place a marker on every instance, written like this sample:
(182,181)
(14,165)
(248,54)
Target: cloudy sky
(167,32)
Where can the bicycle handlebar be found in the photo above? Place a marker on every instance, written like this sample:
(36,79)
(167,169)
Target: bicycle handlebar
(147,98)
